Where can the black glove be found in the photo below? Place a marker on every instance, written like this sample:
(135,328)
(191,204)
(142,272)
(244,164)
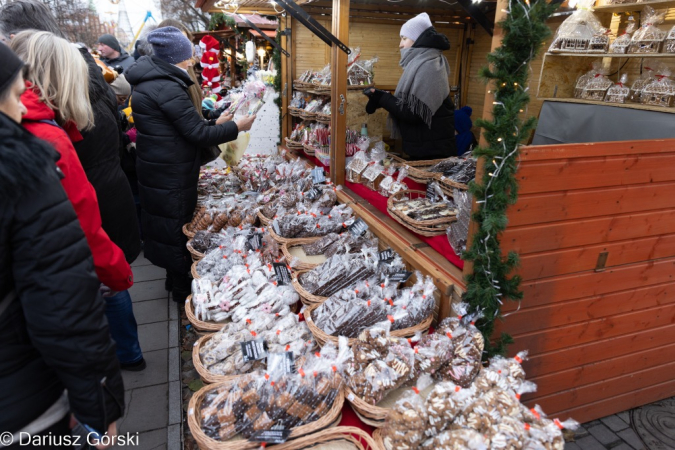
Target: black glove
(372,105)
(374,97)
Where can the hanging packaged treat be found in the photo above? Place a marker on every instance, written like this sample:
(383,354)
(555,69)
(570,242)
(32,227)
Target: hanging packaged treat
(582,32)
(669,44)
(622,42)
(649,38)
(596,88)
(660,92)
(619,92)
(405,423)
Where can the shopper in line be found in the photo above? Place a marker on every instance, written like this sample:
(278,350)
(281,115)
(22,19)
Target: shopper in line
(112,53)
(421,110)
(58,107)
(56,355)
(170,134)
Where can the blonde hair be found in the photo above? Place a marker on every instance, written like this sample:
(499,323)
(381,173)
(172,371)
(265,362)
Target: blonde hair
(59,73)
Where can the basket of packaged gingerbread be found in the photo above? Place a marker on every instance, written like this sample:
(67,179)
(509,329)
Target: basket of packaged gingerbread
(426,213)
(290,399)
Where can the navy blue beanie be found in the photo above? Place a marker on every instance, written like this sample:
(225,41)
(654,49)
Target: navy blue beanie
(170,45)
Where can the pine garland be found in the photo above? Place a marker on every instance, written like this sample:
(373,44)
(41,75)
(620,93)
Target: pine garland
(488,286)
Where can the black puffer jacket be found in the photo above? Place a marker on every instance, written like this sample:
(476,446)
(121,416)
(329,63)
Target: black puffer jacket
(99,153)
(170,135)
(54,334)
(419,141)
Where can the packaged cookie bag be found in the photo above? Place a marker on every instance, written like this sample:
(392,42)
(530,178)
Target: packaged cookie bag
(444,403)
(457,439)
(405,423)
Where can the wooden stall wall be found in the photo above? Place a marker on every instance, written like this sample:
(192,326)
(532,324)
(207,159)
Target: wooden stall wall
(601,334)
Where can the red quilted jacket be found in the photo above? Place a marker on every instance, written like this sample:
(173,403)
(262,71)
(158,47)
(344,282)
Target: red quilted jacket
(109,261)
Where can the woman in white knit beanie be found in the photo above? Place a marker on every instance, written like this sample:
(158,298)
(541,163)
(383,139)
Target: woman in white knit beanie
(421,112)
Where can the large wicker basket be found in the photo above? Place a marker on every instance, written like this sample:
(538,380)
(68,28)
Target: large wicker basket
(193,271)
(379,442)
(322,337)
(187,232)
(295,112)
(447,185)
(206,376)
(285,249)
(292,241)
(196,256)
(331,419)
(417,170)
(200,324)
(337,438)
(305,297)
(293,145)
(263,220)
(433,227)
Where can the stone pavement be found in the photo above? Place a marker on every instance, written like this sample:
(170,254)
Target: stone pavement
(153,402)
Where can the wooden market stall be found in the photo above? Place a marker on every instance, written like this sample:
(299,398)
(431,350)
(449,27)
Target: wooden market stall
(593,224)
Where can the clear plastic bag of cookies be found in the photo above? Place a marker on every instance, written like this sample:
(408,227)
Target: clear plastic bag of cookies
(444,403)
(458,439)
(405,423)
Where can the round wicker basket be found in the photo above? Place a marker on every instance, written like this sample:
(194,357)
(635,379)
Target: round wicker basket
(305,297)
(372,415)
(199,324)
(322,337)
(285,249)
(292,241)
(331,419)
(379,442)
(433,227)
(193,271)
(187,232)
(263,220)
(206,376)
(196,256)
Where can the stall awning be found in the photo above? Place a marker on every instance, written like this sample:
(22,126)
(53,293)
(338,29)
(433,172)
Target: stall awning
(270,33)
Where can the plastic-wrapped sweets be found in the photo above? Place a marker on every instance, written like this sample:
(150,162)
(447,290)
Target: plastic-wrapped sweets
(444,403)
(340,271)
(259,401)
(406,421)
(418,302)
(459,439)
(432,352)
(380,364)
(203,241)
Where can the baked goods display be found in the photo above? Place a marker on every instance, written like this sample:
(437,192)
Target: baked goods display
(581,32)
(275,399)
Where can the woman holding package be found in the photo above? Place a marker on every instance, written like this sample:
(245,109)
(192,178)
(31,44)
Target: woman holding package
(57,100)
(56,355)
(420,111)
(170,134)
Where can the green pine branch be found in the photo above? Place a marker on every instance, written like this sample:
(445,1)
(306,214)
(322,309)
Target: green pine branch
(490,285)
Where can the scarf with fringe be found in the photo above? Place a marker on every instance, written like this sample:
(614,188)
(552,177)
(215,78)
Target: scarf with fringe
(423,87)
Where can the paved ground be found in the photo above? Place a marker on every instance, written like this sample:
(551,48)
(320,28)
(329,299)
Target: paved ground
(153,395)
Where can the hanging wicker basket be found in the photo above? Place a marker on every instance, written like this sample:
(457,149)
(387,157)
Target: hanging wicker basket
(331,419)
(322,337)
(434,227)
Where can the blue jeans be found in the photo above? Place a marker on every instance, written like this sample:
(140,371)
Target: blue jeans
(123,328)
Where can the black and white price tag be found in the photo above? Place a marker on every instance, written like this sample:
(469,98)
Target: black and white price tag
(282,273)
(255,241)
(273,436)
(254,350)
(281,362)
(318,175)
(386,256)
(400,277)
(358,227)
(313,194)
(431,192)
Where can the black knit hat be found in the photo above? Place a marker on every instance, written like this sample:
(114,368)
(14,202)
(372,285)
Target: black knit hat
(10,67)
(111,41)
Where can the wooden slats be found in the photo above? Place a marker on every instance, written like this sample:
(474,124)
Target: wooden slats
(554,152)
(566,205)
(589,173)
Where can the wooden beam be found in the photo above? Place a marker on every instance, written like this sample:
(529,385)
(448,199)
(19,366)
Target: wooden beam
(466,62)
(457,76)
(450,16)
(453,26)
(477,14)
(339,92)
(286,87)
(391,8)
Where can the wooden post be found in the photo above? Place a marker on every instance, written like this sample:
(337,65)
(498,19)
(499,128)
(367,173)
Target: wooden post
(338,90)
(466,61)
(456,77)
(286,86)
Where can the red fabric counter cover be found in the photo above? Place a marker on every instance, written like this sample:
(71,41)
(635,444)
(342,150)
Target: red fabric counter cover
(438,243)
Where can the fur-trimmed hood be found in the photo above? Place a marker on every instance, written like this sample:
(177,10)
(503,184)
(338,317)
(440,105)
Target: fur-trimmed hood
(24,159)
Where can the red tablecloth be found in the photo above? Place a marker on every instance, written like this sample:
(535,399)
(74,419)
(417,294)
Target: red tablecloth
(438,243)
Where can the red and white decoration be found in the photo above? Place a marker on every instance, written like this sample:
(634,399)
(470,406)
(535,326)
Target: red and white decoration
(210,64)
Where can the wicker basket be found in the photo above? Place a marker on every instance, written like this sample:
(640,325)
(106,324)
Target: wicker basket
(199,324)
(295,112)
(206,376)
(306,298)
(323,118)
(306,115)
(309,150)
(196,256)
(373,415)
(417,170)
(447,185)
(293,145)
(193,271)
(348,437)
(300,265)
(322,337)
(433,227)
(331,419)
(379,442)
(292,241)
(187,232)
(263,220)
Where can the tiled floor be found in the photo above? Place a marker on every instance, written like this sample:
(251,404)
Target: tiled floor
(153,405)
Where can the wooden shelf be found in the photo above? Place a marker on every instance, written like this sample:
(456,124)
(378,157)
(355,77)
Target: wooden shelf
(614,55)
(616,105)
(635,6)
